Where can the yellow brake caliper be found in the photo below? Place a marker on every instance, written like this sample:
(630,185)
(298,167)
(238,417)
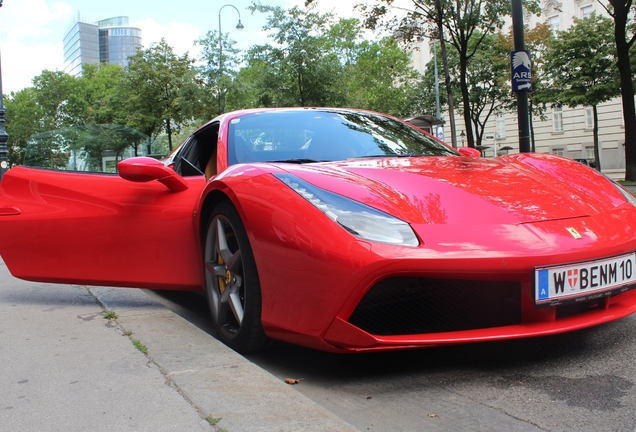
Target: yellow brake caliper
(221,279)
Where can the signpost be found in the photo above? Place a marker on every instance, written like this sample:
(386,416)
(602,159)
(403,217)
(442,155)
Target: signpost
(521,89)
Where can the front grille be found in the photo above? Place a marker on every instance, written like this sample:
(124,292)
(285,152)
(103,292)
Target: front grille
(407,305)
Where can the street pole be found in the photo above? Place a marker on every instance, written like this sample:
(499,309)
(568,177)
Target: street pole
(4,137)
(437,107)
(522,95)
(239,27)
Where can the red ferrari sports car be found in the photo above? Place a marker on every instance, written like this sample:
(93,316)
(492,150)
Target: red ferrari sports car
(336,229)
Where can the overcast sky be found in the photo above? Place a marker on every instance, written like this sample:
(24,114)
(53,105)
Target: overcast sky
(32,31)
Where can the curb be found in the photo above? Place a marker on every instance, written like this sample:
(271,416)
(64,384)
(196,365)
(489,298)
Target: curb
(217,381)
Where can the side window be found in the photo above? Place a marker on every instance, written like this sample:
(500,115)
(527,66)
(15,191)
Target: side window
(198,154)
(90,148)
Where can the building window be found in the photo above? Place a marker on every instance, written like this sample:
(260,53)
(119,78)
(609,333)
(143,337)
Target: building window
(557,119)
(589,152)
(555,23)
(586,11)
(589,118)
(558,151)
(501,125)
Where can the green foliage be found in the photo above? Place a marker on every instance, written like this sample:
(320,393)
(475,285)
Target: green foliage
(24,117)
(84,148)
(580,67)
(487,80)
(98,86)
(316,61)
(580,64)
(151,93)
(111,315)
(300,69)
(216,81)
(140,346)
(311,59)
(463,24)
(213,420)
(381,78)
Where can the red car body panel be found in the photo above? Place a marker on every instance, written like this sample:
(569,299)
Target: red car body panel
(329,273)
(476,220)
(99,229)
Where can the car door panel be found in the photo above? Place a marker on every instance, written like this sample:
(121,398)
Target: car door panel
(99,229)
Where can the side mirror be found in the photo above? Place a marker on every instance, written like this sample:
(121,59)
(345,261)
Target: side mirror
(469,151)
(145,169)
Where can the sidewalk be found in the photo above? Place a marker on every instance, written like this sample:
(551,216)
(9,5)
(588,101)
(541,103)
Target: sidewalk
(66,368)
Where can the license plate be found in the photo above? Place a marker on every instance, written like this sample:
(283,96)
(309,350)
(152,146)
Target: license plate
(584,281)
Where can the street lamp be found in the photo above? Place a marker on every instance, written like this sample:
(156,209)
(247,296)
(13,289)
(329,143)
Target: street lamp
(4,137)
(239,27)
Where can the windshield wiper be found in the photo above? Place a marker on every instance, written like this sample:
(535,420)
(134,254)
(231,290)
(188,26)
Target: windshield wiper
(296,161)
(394,155)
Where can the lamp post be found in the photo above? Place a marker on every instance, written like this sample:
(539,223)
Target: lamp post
(239,27)
(4,137)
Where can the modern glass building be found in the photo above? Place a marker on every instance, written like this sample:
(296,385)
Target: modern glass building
(107,41)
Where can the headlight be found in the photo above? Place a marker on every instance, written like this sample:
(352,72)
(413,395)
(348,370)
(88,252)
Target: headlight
(357,218)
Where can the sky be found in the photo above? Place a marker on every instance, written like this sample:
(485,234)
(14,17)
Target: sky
(32,31)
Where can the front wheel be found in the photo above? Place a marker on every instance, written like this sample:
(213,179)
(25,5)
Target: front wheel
(231,280)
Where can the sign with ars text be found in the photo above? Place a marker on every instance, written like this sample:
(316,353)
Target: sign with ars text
(439,133)
(521,71)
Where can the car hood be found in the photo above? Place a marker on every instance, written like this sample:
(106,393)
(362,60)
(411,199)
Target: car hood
(456,190)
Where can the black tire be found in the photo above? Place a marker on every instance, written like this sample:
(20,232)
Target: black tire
(231,280)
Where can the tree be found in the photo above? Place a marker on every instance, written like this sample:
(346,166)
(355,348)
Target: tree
(620,11)
(487,76)
(58,97)
(150,97)
(98,86)
(300,68)
(315,61)
(536,41)
(580,68)
(466,24)
(24,118)
(55,101)
(217,82)
(381,78)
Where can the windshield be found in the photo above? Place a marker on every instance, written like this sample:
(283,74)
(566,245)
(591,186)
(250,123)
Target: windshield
(325,135)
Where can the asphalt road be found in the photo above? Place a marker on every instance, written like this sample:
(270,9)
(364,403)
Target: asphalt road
(582,381)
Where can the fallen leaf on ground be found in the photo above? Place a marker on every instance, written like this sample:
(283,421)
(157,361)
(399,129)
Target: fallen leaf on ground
(432,415)
(292,381)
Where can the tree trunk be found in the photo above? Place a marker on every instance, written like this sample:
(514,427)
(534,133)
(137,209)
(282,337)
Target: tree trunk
(620,15)
(597,151)
(169,133)
(463,65)
(447,79)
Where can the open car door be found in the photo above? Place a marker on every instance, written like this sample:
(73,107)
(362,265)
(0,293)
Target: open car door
(135,228)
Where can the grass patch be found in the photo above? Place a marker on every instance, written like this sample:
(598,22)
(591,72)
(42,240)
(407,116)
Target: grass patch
(213,420)
(111,315)
(141,347)
(128,333)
